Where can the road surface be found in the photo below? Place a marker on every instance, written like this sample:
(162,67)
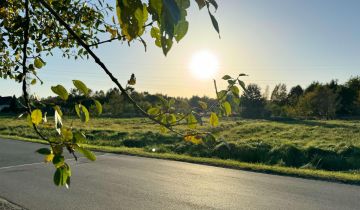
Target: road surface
(126,182)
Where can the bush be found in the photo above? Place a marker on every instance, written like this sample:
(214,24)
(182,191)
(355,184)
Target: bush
(252,152)
(289,154)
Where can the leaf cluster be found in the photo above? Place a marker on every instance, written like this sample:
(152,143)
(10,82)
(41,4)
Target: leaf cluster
(45,33)
(68,138)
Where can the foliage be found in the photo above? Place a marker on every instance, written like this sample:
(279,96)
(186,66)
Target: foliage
(321,102)
(252,103)
(326,101)
(45,33)
(279,95)
(31,30)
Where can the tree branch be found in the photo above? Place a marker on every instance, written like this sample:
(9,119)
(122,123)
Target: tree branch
(106,41)
(103,66)
(25,71)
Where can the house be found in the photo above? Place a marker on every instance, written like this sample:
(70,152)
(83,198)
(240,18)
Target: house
(5,102)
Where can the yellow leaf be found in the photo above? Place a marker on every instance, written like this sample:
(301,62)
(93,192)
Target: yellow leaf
(36,116)
(132,80)
(49,158)
(195,139)
(214,120)
(66,134)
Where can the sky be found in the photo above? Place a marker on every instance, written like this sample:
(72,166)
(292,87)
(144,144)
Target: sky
(273,41)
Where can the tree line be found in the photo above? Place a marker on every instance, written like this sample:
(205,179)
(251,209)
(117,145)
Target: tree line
(321,101)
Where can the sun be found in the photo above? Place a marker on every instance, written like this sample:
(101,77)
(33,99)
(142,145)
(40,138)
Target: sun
(204,65)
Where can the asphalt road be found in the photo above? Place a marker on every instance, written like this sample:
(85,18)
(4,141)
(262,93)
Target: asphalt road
(126,182)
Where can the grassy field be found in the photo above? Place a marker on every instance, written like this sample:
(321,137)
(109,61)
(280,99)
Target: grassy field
(326,145)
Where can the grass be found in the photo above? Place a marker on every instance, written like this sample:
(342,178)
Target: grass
(327,150)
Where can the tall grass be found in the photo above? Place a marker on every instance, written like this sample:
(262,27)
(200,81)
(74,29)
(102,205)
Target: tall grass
(328,145)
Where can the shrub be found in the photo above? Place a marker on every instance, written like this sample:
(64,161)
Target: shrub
(289,154)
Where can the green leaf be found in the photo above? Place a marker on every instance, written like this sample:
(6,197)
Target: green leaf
(226,77)
(98,107)
(222,94)
(33,82)
(88,154)
(44,151)
(39,63)
(242,84)
(62,174)
(77,109)
(201,3)
(232,81)
(227,107)
(141,15)
(156,5)
(180,30)
(191,121)
(171,119)
(155,33)
(235,90)
(210,140)
(183,4)
(131,16)
(36,116)
(84,114)
(214,120)
(79,138)
(81,87)
(60,91)
(213,2)
(214,22)
(153,111)
(166,45)
(58,161)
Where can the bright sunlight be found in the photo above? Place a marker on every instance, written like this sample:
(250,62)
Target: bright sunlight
(204,65)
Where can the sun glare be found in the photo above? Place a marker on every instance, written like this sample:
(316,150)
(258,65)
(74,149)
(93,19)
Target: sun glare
(204,65)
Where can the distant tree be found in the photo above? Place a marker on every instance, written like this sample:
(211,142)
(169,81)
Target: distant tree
(14,105)
(348,94)
(321,102)
(333,85)
(252,103)
(114,104)
(294,95)
(279,95)
(278,100)
(312,87)
(357,104)
(266,93)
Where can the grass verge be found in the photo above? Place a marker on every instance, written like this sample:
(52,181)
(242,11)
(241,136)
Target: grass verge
(343,177)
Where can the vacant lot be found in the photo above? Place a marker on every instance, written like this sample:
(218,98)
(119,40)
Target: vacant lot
(329,145)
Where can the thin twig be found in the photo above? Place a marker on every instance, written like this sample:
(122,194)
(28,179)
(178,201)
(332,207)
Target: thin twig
(106,41)
(103,66)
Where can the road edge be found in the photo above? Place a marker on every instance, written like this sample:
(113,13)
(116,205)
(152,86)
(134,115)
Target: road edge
(330,176)
(7,205)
